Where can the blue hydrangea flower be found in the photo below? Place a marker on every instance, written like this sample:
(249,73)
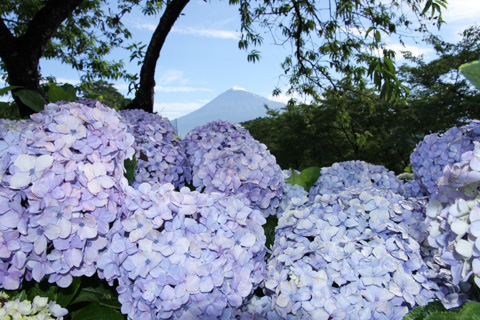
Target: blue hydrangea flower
(225,158)
(159,153)
(343,175)
(453,216)
(436,151)
(354,252)
(184,254)
(61,185)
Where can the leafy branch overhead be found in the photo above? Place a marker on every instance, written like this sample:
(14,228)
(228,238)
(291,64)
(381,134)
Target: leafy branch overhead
(336,39)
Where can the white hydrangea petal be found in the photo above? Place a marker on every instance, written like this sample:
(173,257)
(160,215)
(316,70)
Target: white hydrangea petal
(20,180)
(25,162)
(43,162)
(464,248)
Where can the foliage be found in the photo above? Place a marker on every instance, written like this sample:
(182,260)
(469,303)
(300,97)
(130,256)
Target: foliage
(306,179)
(104,92)
(83,39)
(86,298)
(471,71)
(435,310)
(358,125)
(336,37)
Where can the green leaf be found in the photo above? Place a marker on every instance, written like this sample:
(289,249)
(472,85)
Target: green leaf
(64,296)
(420,313)
(442,316)
(65,92)
(310,176)
(98,294)
(470,311)
(296,178)
(5,90)
(471,71)
(31,99)
(130,165)
(95,311)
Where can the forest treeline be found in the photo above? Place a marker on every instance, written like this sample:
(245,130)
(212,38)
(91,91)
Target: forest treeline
(360,125)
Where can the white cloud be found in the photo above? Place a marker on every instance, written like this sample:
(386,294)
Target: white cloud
(172,76)
(144,26)
(201,32)
(415,50)
(461,10)
(180,89)
(177,109)
(209,33)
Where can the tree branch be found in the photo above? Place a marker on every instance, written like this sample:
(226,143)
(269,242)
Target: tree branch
(44,24)
(144,95)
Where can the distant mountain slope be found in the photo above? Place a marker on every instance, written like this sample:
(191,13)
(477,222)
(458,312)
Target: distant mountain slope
(235,105)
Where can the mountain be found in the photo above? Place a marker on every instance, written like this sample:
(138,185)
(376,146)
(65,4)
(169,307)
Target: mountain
(234,105)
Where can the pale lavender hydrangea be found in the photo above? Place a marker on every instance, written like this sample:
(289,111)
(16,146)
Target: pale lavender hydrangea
(436,151)
(343,175)
(351,255)
(454,217)
(61,188)
(159,154)
(185,254)
(225,158)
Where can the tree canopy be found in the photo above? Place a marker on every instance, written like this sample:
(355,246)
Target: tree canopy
(336,40)
(360,125)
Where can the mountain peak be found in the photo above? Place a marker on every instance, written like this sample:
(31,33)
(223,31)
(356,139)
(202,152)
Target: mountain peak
(234,105)
(237,88)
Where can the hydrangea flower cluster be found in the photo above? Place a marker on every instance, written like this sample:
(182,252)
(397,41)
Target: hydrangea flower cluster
(159,153)
(184,254)
(351,255)
(38,309)
(343,175)
(436,151)
(61,187)
(454,217)
(225,158)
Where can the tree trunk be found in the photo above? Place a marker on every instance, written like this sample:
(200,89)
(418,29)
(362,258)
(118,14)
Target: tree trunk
(21,55)
(145,92)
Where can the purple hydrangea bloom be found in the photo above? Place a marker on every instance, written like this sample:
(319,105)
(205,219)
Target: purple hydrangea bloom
(351,253)
(184,254)
(453,216)
(159,153)
(436,151)
(343,175)
(225,158)
(61,185)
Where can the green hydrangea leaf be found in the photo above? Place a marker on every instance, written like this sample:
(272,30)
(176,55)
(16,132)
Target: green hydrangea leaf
(310,176)
(420,313)
(470,311)
(65,92)
(471,71)
(96,311)
(31,99)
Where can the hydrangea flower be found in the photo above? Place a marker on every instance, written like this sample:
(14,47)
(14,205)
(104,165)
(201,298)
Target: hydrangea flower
(354,253)
(454,217)
(159,153)
(62,186)
(343,175)
(184,254)
(225,158)
(38,309)
(436,151)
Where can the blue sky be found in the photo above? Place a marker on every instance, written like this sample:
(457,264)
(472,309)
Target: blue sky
(200,58)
